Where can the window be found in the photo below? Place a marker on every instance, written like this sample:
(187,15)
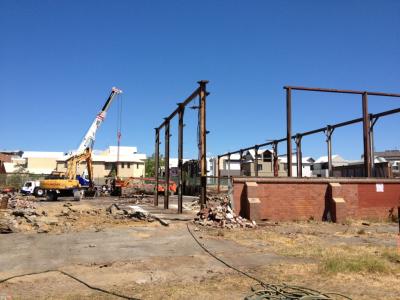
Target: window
(129,165)
(122,165)
(137,166)
(267,157)
(259,167)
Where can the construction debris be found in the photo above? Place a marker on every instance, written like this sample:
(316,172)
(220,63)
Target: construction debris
(220,214)
(134,212)
(17,201)
(20,214)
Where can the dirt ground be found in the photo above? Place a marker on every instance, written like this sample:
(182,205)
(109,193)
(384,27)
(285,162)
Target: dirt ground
(146,260)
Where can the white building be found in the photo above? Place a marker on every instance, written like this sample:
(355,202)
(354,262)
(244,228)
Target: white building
(307,165)
(320,167)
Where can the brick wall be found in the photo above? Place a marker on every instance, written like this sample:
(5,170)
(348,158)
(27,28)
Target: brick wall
(284,199)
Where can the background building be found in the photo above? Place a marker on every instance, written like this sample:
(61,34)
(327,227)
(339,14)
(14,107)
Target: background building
(107,163)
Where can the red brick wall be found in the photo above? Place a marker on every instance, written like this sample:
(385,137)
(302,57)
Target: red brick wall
(299,199)
(373,204)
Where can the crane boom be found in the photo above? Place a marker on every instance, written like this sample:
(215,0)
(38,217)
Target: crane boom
(90,136)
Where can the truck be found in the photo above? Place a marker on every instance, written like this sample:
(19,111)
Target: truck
(70,183)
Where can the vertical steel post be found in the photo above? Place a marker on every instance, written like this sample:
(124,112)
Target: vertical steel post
(229,165)
(218,175)
(203,138)
(166,165)
(240,162)
(366,136)
(289,130)
(276,162)
(328,133)
(156,165)
(256,161)
(371,138)
(299,156)
(180,158)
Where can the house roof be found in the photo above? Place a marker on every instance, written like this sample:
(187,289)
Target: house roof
(388,153)
(234,156)
(42,154)
(335,158)
(252,152)
(173,162)
(9,167)
(304,160)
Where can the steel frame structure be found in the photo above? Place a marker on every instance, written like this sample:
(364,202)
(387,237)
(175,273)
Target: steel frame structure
(202,93)
(368,160)
(369,121)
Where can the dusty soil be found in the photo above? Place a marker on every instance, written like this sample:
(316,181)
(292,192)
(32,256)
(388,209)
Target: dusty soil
(150,261)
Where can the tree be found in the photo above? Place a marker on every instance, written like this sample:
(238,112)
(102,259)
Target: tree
(150,165)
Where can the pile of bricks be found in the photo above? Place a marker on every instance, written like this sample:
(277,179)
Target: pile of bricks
(20,202)
(221,215)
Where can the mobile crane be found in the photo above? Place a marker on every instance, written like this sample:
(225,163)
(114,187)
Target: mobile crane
(68,182)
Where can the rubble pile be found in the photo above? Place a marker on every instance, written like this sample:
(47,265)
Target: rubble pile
(21,203)
(219,213)
(133,212)
(194,205)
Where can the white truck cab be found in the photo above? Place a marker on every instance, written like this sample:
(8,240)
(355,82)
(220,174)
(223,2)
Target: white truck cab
(32,188)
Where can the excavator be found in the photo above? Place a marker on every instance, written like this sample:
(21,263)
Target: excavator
(70,182)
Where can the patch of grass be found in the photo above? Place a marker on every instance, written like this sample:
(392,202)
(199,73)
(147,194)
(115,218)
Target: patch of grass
(392,255)
(339,263)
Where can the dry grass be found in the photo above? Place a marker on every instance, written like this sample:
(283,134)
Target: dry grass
(341,258)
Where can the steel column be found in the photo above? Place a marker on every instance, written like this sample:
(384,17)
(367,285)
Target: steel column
(366,136)
(276,162)
(256,161)
(240,162)
(371,138)
(180,157)
(328,132)
(166,166)
(229,165)
(218,176)
(156,166)
(299,156)
(289,130)
(203,138)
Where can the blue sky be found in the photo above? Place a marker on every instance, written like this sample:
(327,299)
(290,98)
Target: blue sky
(59,60)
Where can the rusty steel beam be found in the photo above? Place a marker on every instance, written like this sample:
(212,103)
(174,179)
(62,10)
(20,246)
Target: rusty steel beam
(372,122)
(311,89)
(276,159)
(218,176)
(322,129)
(156,165)
(180,158)
(329,132)
(386,113)
(203,139)
(256,160)
(366,136)
(183,104)
(166,166)
(289,130)
(299,156)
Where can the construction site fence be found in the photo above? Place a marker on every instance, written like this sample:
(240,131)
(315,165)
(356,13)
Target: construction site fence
(17,180)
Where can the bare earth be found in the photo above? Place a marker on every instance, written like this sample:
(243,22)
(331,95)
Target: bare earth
(146,260)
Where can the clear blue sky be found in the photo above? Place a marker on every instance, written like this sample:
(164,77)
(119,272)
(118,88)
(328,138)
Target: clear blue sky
(59,60)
